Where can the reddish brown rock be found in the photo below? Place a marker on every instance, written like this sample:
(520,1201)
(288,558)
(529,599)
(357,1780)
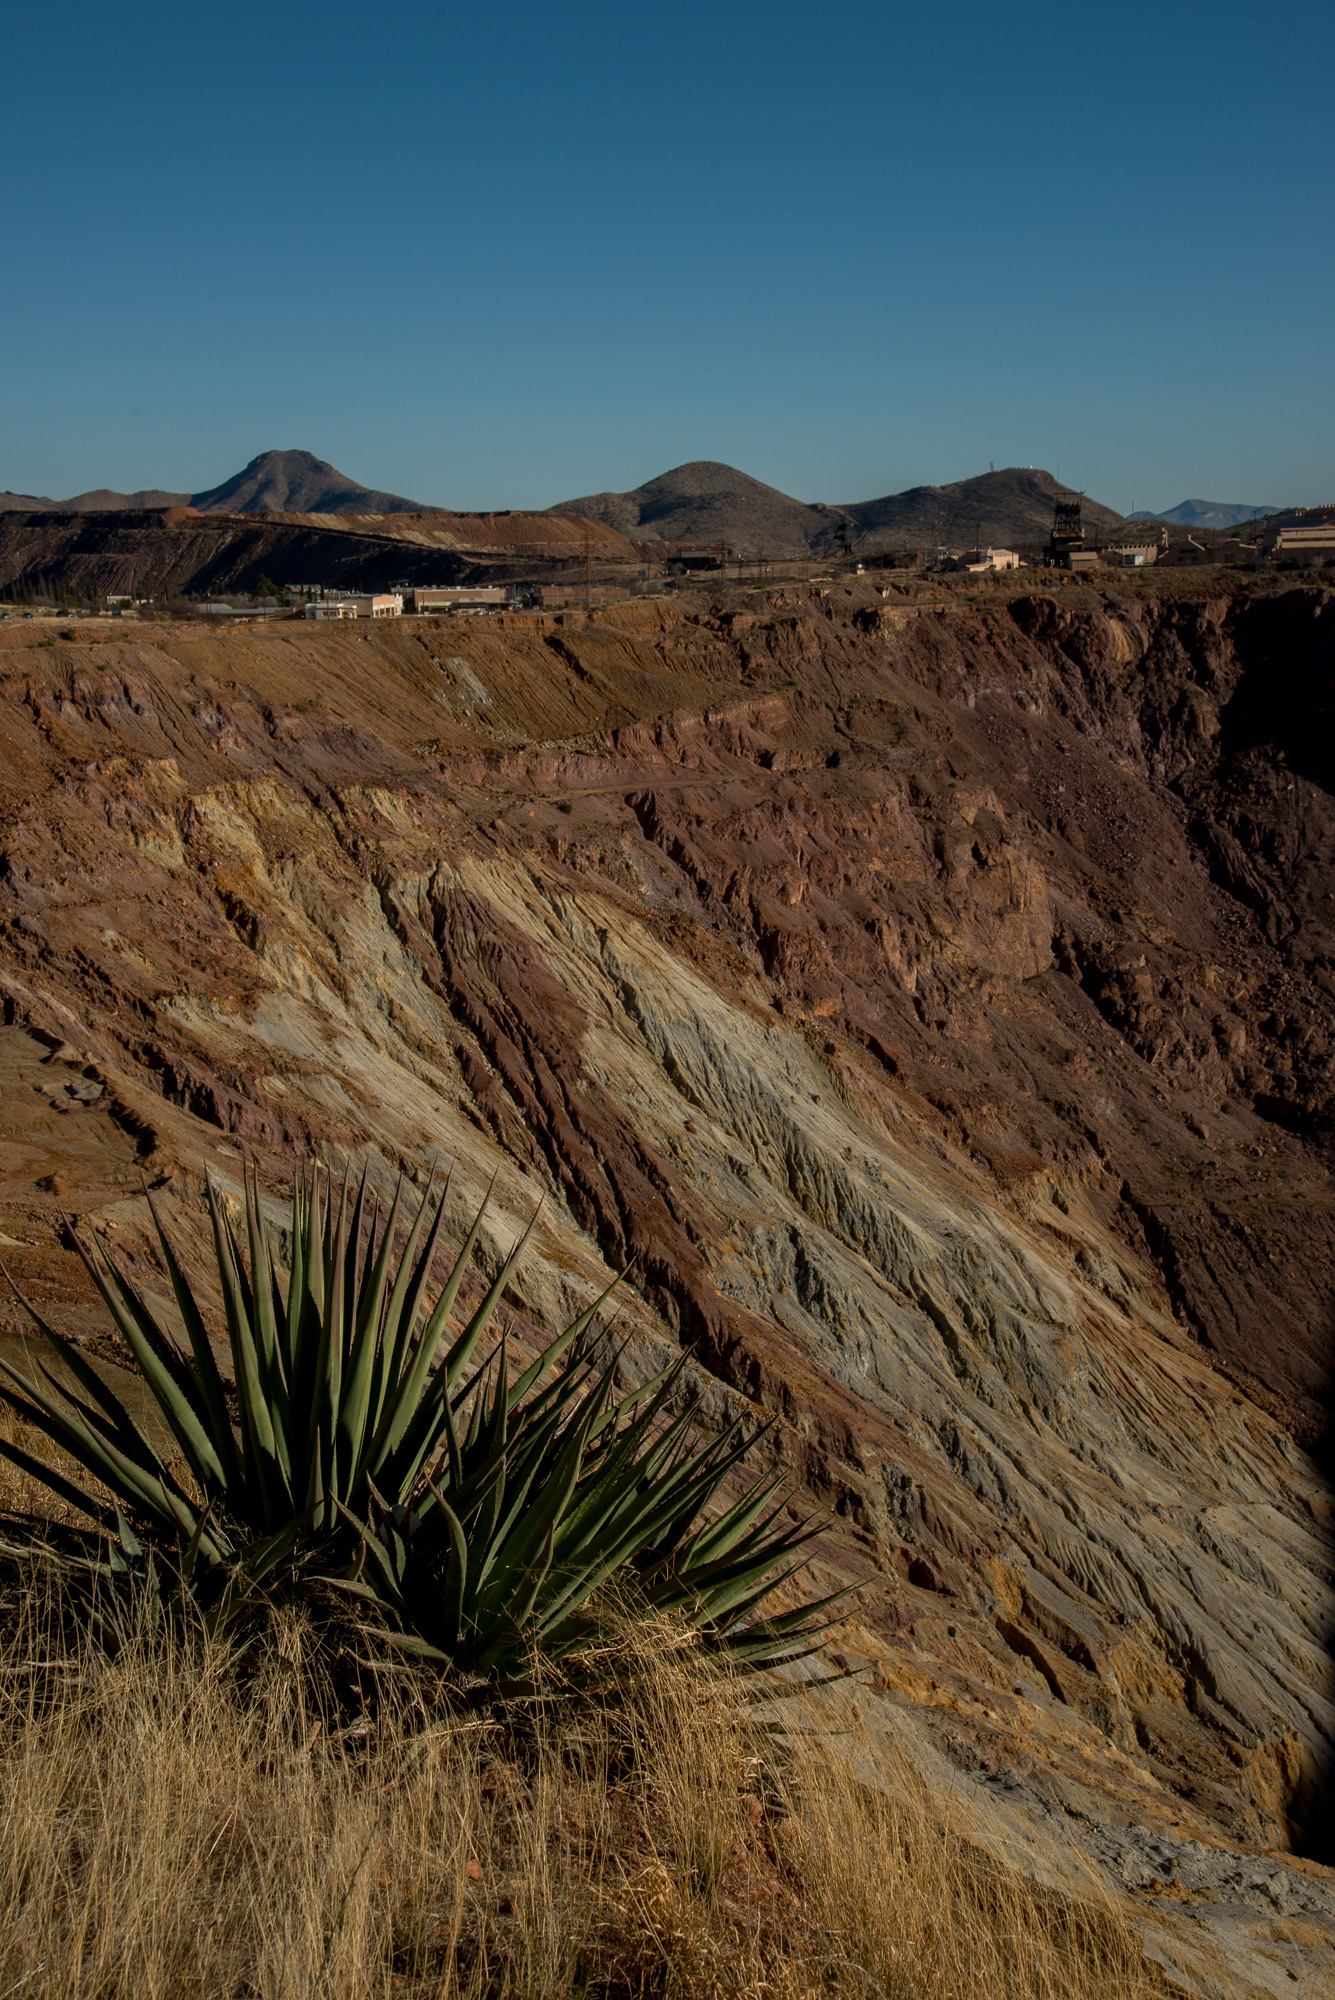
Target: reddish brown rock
(933,1003)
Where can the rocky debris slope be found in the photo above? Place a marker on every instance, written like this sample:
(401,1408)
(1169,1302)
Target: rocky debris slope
(932,997)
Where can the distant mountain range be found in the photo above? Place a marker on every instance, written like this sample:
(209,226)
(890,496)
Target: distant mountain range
(100,501)
(1206,514)
(708,502)
(702,501)
(276,482)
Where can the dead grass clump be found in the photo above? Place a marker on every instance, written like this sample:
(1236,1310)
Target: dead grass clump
(175,1822)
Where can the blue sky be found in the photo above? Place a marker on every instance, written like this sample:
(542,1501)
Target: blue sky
(503,256)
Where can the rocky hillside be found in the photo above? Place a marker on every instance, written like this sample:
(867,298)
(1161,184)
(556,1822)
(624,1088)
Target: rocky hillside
(1010,508)
(181,552)
(934,998)
(707,502)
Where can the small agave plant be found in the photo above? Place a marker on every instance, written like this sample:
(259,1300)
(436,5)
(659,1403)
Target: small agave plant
(476,1517)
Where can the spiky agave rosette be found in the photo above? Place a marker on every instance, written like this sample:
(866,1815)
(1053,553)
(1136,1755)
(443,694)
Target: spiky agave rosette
(479,1519)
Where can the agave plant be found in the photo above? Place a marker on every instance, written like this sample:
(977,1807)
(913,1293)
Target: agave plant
(478,1515)
(543,1501)
(334,1383)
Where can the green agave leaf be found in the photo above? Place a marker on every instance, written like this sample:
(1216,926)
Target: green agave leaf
(131,1479)
(648,1500)
(413,1644)
(797,1623)
(405,1301)
(329,1367)
(352,1265)
(305,1298)
(47,1475)
(257,1426)
(111,1425)
(551,1503)
(101,1392)
(261,1315)
(410,1416)
(563,1342)
(620,1479)
(491,1446)
(724,1534)
(732,1601)
(509,1635)
(458,1357)
(210,1381)
(367,1358)
(530,1456)
(180,1403)
(455,1591)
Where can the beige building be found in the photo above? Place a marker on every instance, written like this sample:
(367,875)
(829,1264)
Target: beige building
(358,604)
(1132,555)
(1224,552)
(1314,544)
(980,559)
(449,597)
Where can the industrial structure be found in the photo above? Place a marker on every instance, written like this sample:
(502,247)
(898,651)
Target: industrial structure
(1066,537)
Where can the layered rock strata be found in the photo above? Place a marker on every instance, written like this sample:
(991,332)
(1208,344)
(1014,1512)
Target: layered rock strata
(933,998)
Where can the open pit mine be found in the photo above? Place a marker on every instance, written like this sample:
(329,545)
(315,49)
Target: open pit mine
(930,995)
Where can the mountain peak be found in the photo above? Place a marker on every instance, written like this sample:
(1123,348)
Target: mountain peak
(297,482)
(707,501)
(1208,513)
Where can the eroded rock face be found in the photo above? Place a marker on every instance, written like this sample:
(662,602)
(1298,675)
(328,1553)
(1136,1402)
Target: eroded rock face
(934,1001)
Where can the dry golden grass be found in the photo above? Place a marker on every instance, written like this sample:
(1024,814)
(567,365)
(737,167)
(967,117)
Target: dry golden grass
(175,1822)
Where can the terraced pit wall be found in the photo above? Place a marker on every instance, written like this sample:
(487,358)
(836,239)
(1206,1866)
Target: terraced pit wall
(933,1000)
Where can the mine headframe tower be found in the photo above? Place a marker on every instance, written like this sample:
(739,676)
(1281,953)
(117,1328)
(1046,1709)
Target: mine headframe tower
(837,546)
(1067,534)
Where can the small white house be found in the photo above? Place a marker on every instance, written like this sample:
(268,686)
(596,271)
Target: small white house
(980,559)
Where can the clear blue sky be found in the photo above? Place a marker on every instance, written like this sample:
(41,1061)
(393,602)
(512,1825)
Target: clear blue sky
(493,256)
